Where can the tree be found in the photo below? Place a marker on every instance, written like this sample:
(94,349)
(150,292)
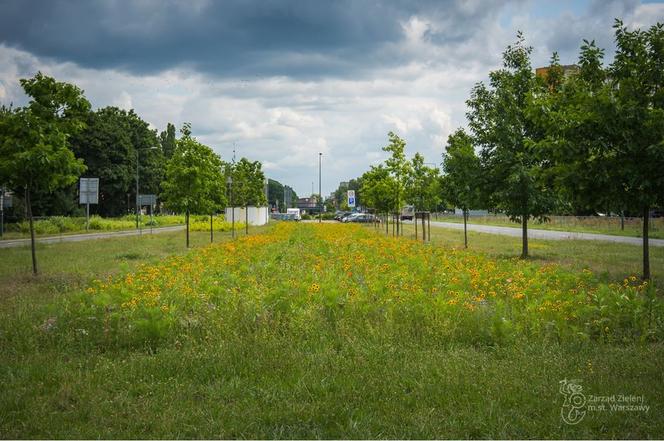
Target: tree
(423,185)
(499,120)
(636,78)
(400,169)
(168,141)
(194,180)
(275,194)
(377,186)
(34,141)
(248,186)
(462,175)
(605,128)
(109,147)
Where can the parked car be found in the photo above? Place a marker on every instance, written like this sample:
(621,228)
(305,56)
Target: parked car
(342,215)
(363,218)
(283,216)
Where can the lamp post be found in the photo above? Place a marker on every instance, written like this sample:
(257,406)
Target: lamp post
(229,181)
(320,194)
(137,201)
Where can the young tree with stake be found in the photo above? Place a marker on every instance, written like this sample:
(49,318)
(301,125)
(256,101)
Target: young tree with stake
(462,176)
(34,141)
(194,180)
(501,126)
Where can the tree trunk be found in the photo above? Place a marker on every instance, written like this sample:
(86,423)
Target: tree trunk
(246,220)
(186,215)
(646,245)
(424,230)
(465,228)
(524,236)
(28,207)
(211,229)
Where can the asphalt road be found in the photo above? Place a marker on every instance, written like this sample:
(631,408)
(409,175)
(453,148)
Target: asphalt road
(548,234)
(505,231)
(87,236)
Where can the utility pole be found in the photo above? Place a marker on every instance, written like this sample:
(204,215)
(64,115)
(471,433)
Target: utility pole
(2,212)
(320,194)
(137,188)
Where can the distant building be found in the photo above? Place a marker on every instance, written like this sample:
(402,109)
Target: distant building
(308,205)
(568,69)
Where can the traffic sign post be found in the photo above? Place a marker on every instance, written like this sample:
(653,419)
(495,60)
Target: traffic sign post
(88,194)
(146,199)
(351,198)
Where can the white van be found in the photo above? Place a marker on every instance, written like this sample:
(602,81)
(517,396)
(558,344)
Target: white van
(295,212)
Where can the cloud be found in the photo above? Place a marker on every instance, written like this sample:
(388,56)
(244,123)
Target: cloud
(231,38)
(282,81)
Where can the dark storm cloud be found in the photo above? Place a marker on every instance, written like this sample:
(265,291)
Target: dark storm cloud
(229,38)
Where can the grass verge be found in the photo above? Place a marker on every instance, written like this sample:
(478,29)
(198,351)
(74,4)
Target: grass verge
(332,331)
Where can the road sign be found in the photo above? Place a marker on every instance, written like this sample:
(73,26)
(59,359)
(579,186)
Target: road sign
(147,199)
(89,191)
(351,198)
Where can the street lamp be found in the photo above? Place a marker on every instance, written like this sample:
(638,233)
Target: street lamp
(229,182)
(320,194)
(137,201)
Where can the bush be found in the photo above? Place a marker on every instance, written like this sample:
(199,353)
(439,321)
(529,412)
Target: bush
(202,223)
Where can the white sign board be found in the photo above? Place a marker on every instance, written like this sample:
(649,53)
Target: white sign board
(89,191)
(351,198)
(147,199)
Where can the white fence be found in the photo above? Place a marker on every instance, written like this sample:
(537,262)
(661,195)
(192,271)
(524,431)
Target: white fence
(255,215)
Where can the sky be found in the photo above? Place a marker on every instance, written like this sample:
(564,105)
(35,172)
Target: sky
(282,81)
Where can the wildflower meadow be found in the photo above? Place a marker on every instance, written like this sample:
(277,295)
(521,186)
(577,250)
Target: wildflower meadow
(333,330)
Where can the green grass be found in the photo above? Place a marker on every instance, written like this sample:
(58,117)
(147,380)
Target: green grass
(247,363)
(611,261)
(598,225)
(70,266)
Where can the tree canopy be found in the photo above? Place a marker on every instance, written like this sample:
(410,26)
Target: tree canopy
(500,123)
(34,140)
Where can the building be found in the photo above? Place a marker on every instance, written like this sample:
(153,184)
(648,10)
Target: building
(568,69)
(308,205)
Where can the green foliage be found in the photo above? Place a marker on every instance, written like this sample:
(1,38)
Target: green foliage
(168,141)
(423,185)
(399,169)
(605,127)
(501,126)
(248,183)
(377,186)
(194,181)
(34,140)
(34,144)
(109,146)
(202,223)
(461,182)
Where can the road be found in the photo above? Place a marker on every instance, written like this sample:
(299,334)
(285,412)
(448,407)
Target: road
(548,234)
(87,236)
(505,231)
